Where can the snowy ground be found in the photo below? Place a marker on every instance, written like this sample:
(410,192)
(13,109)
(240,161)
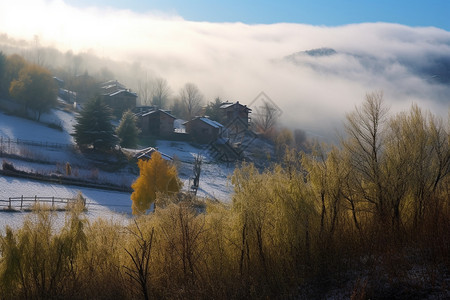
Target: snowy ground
(214,176)
(51,160)
(14,128)
(100,203)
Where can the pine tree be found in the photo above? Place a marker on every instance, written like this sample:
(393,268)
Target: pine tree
(213,110)
(156,176)
(128,131)
(94,126)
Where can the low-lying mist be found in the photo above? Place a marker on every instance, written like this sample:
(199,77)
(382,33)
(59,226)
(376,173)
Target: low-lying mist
(236,61)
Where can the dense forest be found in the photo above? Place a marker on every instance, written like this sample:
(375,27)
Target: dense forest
(368,217)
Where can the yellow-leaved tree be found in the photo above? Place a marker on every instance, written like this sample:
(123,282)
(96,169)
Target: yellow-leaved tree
(156,176)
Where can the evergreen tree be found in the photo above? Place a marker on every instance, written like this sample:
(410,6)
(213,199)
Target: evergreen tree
(156,176)
(94,126)
(127,130)
(213,110)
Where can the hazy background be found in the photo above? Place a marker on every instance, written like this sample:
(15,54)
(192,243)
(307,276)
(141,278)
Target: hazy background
(237,61)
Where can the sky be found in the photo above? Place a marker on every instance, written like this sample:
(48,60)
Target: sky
(314,12)
(237,49)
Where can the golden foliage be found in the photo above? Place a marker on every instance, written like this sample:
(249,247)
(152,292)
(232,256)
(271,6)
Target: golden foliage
(156,176)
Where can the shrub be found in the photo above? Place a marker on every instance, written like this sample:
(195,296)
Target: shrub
(7,166)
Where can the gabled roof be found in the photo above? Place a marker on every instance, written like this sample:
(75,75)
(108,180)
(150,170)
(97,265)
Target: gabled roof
(158,110)
(211,122)
(120,92)
(207,121)
(226,105)
(147,154)
(111,83)
(230,104)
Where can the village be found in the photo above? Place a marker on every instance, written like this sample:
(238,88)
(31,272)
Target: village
(226,140)
(188,144)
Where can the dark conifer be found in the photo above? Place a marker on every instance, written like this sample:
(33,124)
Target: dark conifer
(94,126)
(128,131)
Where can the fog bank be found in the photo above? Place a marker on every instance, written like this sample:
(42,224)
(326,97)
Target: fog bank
(237,61)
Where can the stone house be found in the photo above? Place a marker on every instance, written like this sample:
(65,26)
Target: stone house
(117,97)
(204,130)
(232,112)
(156,123)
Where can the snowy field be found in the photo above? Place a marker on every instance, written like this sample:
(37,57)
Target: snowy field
(214,178)
(17,128)
(99,203)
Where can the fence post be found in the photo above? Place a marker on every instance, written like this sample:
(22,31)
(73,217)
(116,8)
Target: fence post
(9,205)
(35,199)
(53,202)
(21,202)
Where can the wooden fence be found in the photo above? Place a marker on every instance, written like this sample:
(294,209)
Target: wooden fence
(27,203)
(6,142)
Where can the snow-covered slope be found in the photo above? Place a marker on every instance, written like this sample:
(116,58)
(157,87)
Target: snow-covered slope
(100,203)
(17,128)
(214,176)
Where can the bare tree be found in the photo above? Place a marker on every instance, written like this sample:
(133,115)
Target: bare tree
(160,92)
(74,63)
(141,257)
(39,59)
(418,151)
(154,92)
(191,99)
(144,91)
(265,118)
(365,142)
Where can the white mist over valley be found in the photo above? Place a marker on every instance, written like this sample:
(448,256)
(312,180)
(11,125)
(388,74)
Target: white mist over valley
(315,74)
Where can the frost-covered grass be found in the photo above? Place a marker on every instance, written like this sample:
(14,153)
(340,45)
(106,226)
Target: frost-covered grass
(213,178)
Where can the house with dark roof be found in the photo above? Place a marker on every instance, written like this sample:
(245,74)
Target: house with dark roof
(232,112)
(146,154)
(117,97)
(120,101)
(111,86)
(204,130)
(157,122)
